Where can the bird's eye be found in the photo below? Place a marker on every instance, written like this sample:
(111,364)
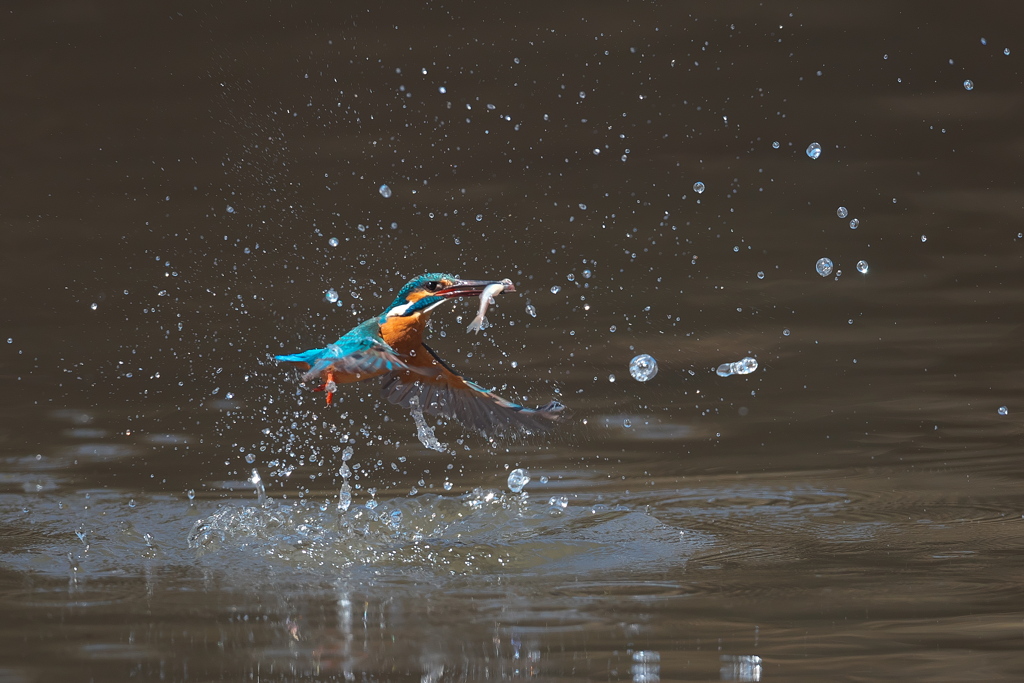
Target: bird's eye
(433,286)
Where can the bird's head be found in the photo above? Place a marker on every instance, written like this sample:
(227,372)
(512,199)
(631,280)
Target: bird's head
(426,292)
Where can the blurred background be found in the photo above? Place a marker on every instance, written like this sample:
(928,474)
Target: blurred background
(190,188)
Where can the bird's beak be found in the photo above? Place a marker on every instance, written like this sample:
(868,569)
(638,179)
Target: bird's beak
(473,287)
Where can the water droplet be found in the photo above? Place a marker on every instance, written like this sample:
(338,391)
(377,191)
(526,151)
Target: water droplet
(824,267)
(442,89)
(968,84)
(250,458)
(531,311)
(1006,51)
(760,275)
(924,238)
(627,423)
(517,479)
(814,150)
(191,493)
(611,378)
(571,277)
(94,306)
(786,332)
(643,367)
(698,187)
(231,209)
(333,242)
(854,223)
(1003,410)
(555,289)
(862,266)
(842,212)
(395,518)
(385,191)
(740,367)
(775,145)
(131,502)
(612,328)
(331,295)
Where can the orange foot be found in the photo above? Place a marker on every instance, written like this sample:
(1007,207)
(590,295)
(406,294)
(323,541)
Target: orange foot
(328,386)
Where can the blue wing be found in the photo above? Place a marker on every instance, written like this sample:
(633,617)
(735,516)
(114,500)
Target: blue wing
(359,354)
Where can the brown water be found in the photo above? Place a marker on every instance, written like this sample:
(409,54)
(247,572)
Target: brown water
(851,510)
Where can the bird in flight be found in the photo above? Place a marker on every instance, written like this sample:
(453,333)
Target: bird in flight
(391,346)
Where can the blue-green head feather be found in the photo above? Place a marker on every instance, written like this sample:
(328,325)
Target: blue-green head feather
(420,293)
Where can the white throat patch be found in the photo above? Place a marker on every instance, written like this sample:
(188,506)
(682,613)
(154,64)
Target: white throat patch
(399,311)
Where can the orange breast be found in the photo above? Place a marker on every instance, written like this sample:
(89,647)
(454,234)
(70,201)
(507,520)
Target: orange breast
(404,334)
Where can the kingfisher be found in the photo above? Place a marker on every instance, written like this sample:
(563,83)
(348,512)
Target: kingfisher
(391,346)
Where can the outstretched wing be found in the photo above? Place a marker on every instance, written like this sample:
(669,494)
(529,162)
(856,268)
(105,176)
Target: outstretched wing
(444,392)
(360,354)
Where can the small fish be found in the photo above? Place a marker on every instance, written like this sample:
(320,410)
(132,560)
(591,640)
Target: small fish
(486,300)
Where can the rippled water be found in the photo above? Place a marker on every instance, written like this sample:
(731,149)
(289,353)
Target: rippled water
(191,190)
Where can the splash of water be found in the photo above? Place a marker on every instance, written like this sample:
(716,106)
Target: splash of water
(261,491)
(518,479)
(480,531)
(345,494)
(425,432)
(740,367)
